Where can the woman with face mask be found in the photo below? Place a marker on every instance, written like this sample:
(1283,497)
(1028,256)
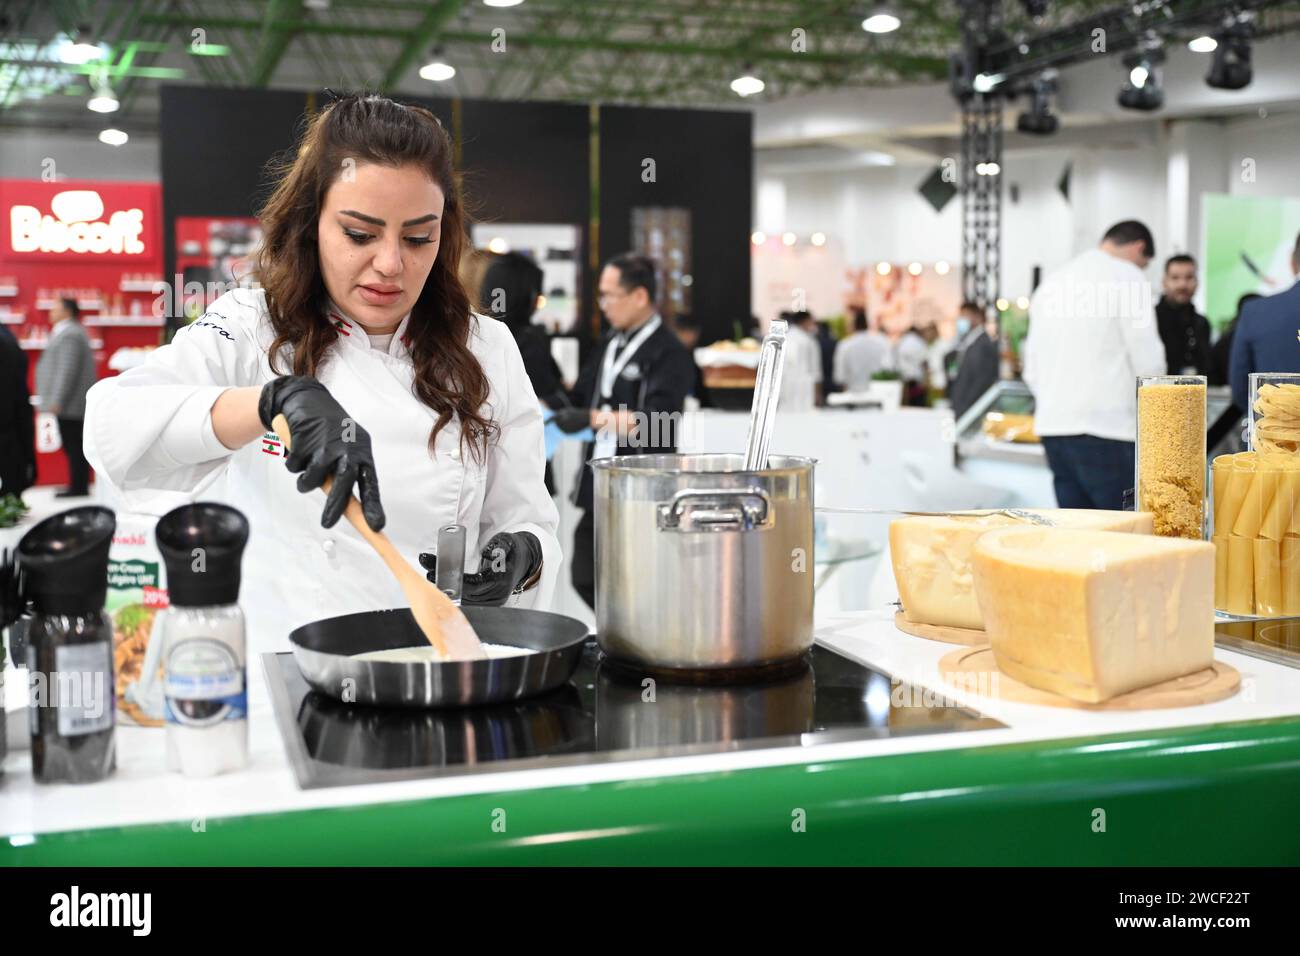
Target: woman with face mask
(362,336)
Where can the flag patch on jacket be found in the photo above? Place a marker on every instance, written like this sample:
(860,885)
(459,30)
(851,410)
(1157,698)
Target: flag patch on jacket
(271,445)
(340,325)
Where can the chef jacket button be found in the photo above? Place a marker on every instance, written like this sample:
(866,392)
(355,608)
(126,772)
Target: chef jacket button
(455,454)
(328,546)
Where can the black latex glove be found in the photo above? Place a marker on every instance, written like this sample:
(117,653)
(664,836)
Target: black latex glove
(506,561)
(326,443)
(572,420)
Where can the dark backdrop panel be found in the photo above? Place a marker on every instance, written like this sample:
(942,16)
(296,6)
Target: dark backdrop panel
(530,163)
(704,161)
(526,162)
(216,144)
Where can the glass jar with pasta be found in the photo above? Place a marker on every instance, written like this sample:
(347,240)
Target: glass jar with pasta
(1256,516)
(1169,478)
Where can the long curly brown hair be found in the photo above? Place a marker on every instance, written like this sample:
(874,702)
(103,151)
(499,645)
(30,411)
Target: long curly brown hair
(365,128)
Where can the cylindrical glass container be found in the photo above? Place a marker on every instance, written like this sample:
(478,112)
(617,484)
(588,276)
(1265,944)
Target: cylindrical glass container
(1256,530)
(1169,478)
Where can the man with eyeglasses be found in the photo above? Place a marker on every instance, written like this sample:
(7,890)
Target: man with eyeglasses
(631,392)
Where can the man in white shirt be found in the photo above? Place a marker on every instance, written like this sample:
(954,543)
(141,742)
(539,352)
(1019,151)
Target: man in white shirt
(1092,332)
(860,356)
(801,372)
(908,356)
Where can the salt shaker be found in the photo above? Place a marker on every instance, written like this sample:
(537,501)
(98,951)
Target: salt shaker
(204,650)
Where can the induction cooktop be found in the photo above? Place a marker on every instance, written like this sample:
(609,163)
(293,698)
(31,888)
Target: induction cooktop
(600,715)
(1276,640)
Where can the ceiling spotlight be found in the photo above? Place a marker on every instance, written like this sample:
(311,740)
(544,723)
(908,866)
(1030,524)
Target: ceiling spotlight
(818,239)
(1231,69)
(1204,44)
(1002,305)
(498,245)
(437,70)
(747,84)
(104,101)
(502,3)
(1143,90)
(882,21)
(987,169)
(883,268)
(941,267)
(758,237)
(986,82)
(79,49)
(1022,303)
(1039,120)
(113,137)
(788,238)
(914,268)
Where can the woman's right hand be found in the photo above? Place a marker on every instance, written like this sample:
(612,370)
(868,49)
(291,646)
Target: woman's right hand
(326,442)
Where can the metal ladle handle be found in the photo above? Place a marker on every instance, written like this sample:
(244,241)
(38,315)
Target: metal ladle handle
(767,391)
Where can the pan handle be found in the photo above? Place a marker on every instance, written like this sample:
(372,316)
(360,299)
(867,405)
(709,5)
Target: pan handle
(697,509)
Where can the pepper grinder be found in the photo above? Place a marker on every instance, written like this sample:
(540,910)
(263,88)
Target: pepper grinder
(63,562)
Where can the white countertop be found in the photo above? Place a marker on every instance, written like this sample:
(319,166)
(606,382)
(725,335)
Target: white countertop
(142,791)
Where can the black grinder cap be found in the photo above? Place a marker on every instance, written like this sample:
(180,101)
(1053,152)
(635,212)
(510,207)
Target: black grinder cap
(64,561)
(202,545)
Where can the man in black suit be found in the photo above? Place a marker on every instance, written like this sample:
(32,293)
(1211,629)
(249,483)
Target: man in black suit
(973,366)
(1267,338)
(631,391)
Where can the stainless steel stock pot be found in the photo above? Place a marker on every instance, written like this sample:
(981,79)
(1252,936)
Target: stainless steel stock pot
(701,565)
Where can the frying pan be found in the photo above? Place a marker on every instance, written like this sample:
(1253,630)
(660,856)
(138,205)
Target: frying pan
(323,651)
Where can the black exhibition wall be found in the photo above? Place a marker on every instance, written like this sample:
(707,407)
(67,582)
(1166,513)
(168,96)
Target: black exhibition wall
(703,162)
(522,162)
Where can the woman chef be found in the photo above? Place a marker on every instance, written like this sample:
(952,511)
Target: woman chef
(363,338)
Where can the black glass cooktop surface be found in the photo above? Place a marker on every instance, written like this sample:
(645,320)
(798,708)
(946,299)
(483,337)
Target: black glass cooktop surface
(1276,640)
(601,715)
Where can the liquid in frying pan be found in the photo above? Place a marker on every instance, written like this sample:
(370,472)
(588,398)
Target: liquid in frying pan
(427,654)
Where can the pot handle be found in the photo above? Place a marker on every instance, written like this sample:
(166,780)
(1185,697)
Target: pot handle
(696,509)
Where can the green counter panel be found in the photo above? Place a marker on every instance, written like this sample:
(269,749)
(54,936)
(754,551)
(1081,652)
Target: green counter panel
(1214,795)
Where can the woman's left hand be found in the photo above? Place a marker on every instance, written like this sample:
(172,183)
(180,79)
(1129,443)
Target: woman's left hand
(508,561)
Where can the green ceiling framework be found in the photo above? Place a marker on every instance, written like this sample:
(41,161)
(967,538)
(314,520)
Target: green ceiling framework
(669,52)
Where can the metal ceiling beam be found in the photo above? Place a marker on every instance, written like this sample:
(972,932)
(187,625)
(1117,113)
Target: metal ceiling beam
(552,41)
(277,32)
(94,70)
(433,21)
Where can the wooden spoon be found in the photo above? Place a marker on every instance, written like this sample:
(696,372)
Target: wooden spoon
(443,623)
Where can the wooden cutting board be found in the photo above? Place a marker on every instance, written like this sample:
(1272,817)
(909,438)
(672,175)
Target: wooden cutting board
(974,668)
(939,632)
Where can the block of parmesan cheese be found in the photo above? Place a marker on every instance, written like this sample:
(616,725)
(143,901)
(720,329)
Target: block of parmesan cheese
(931,557)
(1094,614)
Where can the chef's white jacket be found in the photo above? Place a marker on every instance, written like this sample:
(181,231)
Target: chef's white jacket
(149,434)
